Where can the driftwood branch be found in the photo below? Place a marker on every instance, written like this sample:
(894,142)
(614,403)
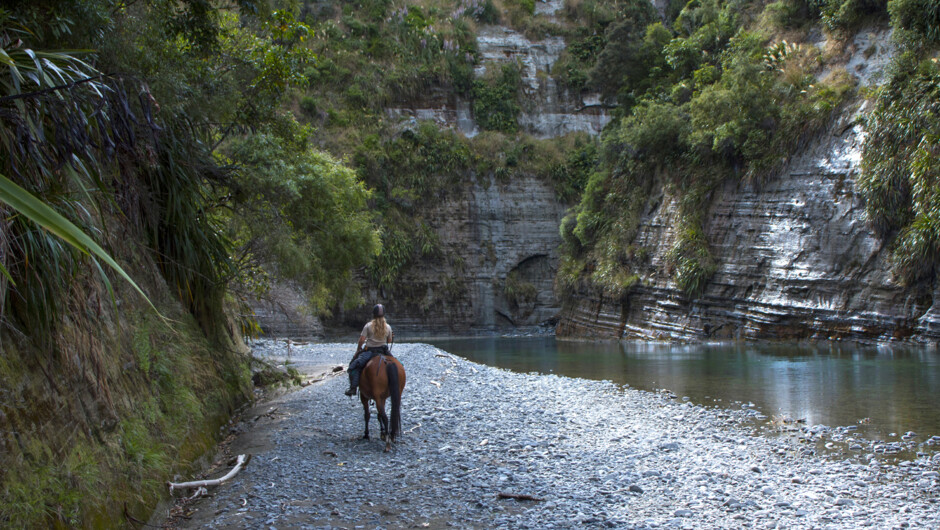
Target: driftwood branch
(412,429)
(239,464)
(519,497)
(200,491)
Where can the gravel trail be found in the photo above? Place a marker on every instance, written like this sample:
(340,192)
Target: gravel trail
(595,455)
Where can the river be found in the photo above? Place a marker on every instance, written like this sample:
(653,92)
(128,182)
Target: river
(884,390)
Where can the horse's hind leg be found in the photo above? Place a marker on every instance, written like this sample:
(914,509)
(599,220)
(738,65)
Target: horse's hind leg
(365,413)
(383,421)
(383,418)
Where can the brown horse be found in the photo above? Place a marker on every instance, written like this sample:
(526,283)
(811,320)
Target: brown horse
(383,377)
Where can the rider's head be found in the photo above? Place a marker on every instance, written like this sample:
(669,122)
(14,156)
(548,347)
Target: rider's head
(378,311)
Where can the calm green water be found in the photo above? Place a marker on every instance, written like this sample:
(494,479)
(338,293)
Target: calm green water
(896,388)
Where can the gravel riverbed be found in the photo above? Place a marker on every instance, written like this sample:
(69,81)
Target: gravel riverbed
(594,454)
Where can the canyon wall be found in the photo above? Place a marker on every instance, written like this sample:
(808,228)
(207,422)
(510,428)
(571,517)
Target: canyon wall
(283,312)
(795,255)
(496,272)
(796,258)
(548,108)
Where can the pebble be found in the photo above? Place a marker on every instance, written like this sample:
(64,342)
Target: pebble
(595,453)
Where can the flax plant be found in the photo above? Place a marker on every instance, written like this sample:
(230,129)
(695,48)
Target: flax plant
(53,110)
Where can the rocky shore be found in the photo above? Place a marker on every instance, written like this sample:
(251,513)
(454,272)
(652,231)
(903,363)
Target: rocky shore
(574,453)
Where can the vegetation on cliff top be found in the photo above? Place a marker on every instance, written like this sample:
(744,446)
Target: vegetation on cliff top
(713,94)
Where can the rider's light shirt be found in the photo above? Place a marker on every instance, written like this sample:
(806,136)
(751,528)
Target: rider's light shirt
(371,341)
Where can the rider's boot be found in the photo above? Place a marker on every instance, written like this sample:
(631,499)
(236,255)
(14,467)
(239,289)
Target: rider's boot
(353,382)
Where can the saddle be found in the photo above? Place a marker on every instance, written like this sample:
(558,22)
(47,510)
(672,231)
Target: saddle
(381,358)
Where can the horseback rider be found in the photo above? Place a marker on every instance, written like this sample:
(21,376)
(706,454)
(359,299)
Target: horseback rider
(376,336)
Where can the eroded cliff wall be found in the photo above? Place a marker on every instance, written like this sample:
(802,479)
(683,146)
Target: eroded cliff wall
(500,255)
(549,109)
(796,258)
(794,254)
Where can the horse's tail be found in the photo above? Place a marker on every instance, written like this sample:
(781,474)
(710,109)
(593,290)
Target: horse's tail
(394,390)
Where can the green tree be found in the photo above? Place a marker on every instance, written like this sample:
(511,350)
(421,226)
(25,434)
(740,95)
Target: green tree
(301,214)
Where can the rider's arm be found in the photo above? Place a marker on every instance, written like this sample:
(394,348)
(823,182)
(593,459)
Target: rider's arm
(391,338)
(359,347)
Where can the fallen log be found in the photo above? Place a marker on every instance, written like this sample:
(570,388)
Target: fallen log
(519,497)
(239,464)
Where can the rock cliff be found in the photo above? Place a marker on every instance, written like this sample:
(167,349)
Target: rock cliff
(548,110)
(795,255)
(283,313)
(501,238)
(501,242)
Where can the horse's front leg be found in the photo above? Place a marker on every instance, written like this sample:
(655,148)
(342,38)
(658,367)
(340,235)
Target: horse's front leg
(365,414)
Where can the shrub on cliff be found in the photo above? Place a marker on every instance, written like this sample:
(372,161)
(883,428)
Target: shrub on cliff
(496,99)
(901,167)
(920,19)
(848,15)
(623,64)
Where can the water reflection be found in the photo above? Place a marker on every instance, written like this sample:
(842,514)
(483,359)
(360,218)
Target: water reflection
(896,388)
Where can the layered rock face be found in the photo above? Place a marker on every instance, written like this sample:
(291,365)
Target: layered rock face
(501,239)
(501,254)
(548,109)
(795,255)
(795,258)
(444,108)
(283,313)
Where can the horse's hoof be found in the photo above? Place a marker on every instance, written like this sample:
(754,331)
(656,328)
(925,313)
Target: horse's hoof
(388,448)
(365,436)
